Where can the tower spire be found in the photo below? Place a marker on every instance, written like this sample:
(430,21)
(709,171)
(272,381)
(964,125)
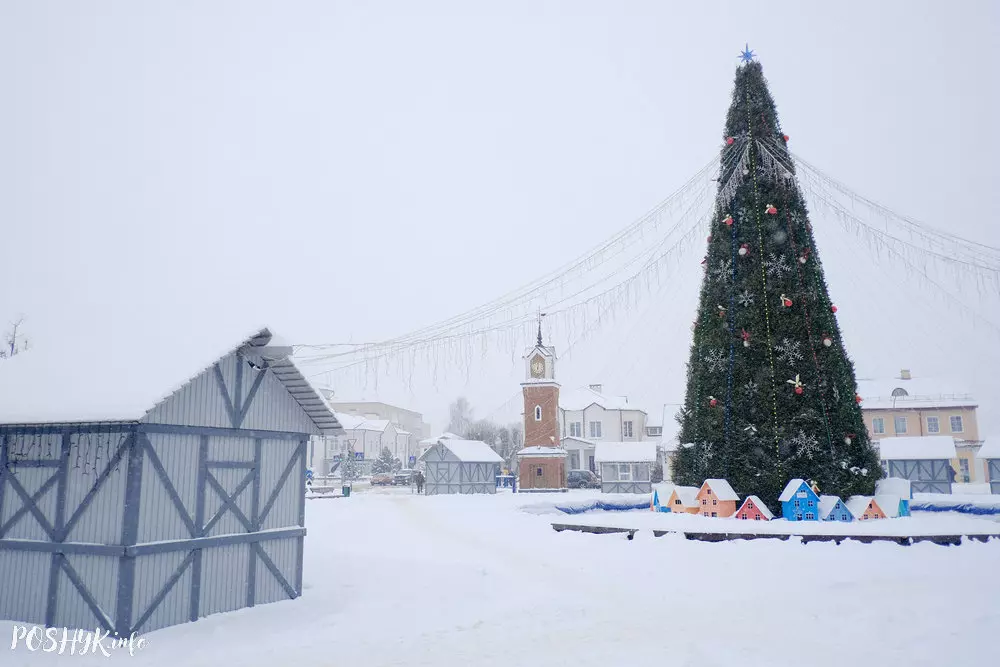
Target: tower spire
(540,316)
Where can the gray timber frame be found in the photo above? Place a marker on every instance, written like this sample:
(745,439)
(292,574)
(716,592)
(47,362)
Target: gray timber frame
(993,466)
(925,475)
(611,484)
(445,473)
(115,607)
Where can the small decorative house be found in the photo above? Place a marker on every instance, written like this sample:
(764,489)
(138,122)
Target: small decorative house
(684,500)
(864,508)
(754,510)
(460,466)
(891,506)
(832,508)
(717,498)
(799,502)
(894,486)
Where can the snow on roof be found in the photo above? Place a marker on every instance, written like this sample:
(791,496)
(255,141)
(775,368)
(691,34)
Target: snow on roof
(584,397)
(826,505)
(990,449)
(447,435)
(625,452)
(688,495)
(373,425)
(349,422)
(400,431)
(542,451)
(471,451)
(917,447)
(921,392)
(893,486)
(721,489)
(584,441)
(889,504)
(759,505)
(790,489)
(858,504)
(122,372)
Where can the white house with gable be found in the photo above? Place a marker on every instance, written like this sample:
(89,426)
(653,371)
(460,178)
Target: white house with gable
(588,416)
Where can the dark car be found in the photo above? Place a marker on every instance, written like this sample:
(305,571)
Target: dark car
(582,479)
(403,477)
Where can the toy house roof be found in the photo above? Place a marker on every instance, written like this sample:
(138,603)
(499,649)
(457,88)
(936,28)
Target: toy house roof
(469,451)
(758,504)
(625,452)
(688,495)
(858,504)
(721,489)
(826,505)
(889,504)
(893,486)
(123,373)
(917,448)
(791,488)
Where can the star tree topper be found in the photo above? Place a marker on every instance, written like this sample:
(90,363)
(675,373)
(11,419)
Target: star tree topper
(747,56)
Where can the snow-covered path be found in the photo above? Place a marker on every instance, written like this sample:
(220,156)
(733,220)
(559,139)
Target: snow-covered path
(398,579)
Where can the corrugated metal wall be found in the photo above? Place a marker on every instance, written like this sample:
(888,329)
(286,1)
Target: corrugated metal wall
(99,575)
(152,572)
(101,521)
(275,455)
(24,577)
(159,519)
(284,553)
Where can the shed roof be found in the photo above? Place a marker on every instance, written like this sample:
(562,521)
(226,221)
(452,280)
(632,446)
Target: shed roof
(826,505)
(790,489)
(134,368)
(625,452)
(688,495)
(469,451)
(447,435)
(758,504)
(721,489)
(917,448)
(990,449)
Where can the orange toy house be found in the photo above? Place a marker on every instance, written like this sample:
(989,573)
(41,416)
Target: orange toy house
(753,509)
(684,499)
(864,508)
(717,498)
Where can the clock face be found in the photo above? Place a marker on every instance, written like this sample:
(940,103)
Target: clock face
(537,368)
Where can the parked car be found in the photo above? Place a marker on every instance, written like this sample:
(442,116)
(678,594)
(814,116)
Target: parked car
(382,479)
(403,477)
(582,479)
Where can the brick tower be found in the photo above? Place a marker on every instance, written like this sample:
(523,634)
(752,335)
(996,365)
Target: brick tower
(542,463)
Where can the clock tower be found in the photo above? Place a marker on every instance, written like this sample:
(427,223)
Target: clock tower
(542,463)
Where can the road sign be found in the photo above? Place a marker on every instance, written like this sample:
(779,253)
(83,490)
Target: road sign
(360,456)
(413,460)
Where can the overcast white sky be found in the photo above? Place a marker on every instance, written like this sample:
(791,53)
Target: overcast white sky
(352,171)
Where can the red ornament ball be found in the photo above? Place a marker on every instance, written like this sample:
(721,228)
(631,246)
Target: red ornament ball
(786,302)
(728,220)
(798,390)
(857,399)
(713,402)
(785,137)
(833,309)
(729,141)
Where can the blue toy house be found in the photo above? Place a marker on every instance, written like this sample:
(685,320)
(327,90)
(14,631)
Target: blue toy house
(832,508)
(799,502)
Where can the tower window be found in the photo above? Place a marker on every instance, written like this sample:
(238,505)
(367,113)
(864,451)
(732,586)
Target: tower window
(538,413)
(538,472)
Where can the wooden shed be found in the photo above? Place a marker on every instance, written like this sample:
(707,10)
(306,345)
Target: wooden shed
(460,466)
(925,461)
(626,466)
(155,482)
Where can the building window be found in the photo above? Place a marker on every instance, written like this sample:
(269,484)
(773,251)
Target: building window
(878,425)
(714,501)
(538,472)
(899,424)
(715,514)
(933,425)
(810,516)
(625,472)
(704,502)
(956,424)
(964,465)
(595,429)
(575,430)
(743,516)
(677,501)
(538,413)
(811,504)
(756,517)
(626,429)
(796,503)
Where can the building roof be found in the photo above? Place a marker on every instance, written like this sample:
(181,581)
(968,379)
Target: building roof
(759,505)
(469,451)
(990,449)
(584,397)
(688,495)
(123,373)
(889,504)
(379,425)
(920,392)
(721,489)
(541,451)
(643,451)
(790,489)
(349,422)
(400,431)
(447,435)
(826,505)
(858,504)
(916,448)
(893,486)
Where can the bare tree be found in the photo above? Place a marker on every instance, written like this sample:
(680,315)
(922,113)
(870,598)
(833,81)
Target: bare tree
(461,416)
(14,340)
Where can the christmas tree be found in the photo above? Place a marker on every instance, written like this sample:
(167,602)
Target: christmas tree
(771,393)
(385,463)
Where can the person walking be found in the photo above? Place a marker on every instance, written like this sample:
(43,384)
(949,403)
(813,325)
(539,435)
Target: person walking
(419,479)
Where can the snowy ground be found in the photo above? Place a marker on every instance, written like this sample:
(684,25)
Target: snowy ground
(397,579)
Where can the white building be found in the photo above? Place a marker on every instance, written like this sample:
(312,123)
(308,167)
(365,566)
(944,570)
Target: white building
(408,426)
(587,416)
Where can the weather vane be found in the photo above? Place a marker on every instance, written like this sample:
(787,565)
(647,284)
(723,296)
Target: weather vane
(747,56)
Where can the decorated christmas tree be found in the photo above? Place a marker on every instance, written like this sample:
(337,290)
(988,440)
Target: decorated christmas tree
(771,393)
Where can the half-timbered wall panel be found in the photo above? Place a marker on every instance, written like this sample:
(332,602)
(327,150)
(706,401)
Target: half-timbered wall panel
(224,578)
(24,579)
(200,402)
(273,408)
(162,594)
(98,481)
(277,456)
(97,577)
(37,483)
(236,483)
(284,555)
(169,484)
